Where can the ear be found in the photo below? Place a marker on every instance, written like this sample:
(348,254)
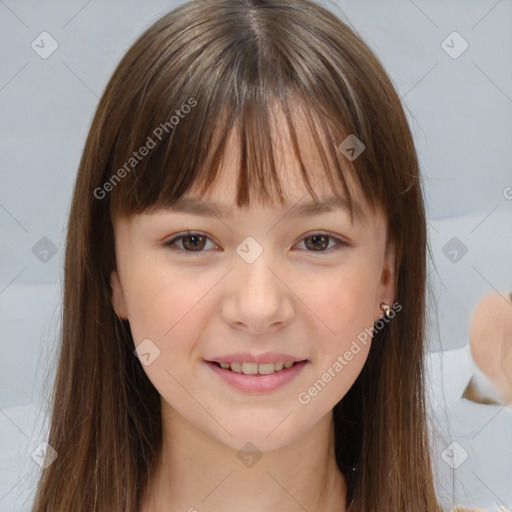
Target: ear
(118,298)
(386,288)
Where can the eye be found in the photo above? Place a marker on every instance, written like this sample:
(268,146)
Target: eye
(193,242)
(320,241)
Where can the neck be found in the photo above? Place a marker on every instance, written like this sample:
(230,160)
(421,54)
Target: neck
(196,472)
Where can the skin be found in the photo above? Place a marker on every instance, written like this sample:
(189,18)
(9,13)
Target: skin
(292,299)
(490,336)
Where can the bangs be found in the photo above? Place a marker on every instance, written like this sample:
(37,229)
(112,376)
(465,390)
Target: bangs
(204,81)
(196,160)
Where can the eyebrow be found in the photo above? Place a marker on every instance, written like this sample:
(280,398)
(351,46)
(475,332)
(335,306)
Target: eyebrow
(200,207)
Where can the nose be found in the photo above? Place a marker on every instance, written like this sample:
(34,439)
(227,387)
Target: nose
(257,298)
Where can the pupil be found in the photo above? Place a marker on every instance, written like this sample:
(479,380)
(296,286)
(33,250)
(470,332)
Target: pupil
(195,244)
(316,237)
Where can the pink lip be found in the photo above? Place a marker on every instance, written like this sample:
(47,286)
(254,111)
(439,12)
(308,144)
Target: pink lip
(257,383)
(267,357)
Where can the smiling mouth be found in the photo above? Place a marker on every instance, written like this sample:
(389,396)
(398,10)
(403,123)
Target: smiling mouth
(255,368)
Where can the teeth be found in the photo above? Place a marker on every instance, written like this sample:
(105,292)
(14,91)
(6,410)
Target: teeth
(266,369)
(250,368)
(255,368)
(236,367)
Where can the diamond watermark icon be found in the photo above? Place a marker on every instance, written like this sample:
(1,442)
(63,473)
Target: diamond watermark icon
(352,147)
(249,249)
(44,45)
(454,249)
(454,455)
(44,455)
(249,455)
(454,45)
(147,352)
(44,250)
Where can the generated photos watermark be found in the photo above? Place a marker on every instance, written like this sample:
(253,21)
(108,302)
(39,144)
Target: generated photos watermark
(304,397)
(157,135)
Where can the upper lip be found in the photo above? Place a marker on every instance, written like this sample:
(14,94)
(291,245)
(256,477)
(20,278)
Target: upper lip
(267,357)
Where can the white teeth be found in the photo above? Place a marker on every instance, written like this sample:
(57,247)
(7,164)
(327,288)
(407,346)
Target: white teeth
(255,368)
(266,369)
(250,368)
(236,367)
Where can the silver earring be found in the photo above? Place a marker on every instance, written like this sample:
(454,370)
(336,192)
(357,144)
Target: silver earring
(386,309)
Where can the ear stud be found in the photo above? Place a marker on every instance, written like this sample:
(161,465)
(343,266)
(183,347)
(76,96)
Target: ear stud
(386,309)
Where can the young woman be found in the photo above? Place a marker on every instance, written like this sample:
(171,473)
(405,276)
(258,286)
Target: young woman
(243,317)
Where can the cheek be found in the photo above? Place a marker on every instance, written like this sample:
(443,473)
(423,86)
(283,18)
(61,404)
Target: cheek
(172,310)
(160,300)
(167,309)
(344,308)
(344,303)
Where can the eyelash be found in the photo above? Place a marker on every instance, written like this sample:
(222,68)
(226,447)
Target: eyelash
(340,244)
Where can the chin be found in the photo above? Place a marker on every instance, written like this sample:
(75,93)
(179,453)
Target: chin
(265,436)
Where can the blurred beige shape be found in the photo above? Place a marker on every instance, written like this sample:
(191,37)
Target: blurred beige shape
(462,509)
(490,335)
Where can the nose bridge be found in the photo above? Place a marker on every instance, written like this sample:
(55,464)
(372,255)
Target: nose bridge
(256,295)
(253,276)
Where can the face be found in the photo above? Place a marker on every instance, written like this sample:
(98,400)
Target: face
(252,287)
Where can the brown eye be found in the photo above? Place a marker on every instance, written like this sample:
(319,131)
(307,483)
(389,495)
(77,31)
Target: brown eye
(196,243)
(319,242)
(193,242)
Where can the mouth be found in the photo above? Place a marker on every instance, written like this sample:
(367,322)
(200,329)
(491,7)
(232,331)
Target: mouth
(250,377)
(249,368)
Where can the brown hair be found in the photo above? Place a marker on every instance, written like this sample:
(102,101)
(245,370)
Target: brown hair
(229,61)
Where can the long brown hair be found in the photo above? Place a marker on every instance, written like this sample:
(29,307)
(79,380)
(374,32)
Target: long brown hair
(198,72)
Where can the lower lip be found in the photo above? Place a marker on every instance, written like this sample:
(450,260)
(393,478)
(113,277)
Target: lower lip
(258,383)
